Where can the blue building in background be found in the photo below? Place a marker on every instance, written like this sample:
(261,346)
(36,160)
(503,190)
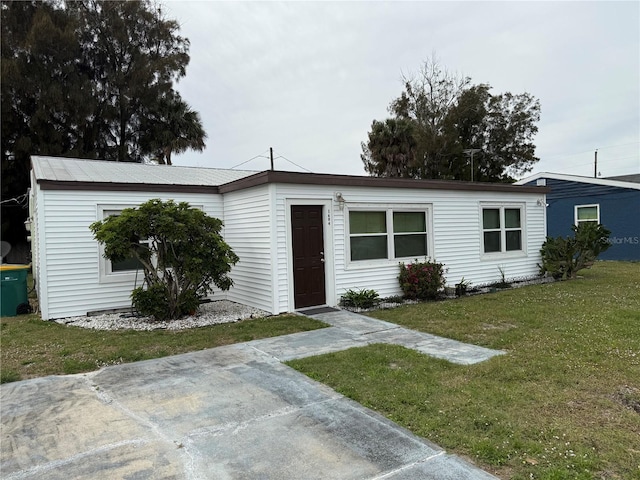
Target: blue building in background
(614,202)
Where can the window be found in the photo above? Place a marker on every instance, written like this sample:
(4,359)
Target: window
(128,270)
(409,234)
(368,235)
(387,234)
(129,264)
(587,213)
(502,229)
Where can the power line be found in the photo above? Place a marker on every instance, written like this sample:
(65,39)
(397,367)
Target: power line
(605,161)
(294,163)
(591,151)
(262,155)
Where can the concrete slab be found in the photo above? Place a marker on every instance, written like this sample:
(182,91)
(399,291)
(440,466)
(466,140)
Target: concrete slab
(307,344)
(232,412)
(335,439)
(360,329)
(58,424)
(354,322)
(434,346)
(438,467)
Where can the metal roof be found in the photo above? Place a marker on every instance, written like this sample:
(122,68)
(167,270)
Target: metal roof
(62,169)
(61,173)
(633,178)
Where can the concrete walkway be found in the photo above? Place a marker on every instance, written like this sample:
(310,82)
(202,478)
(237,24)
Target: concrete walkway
(233,412)
(353,330)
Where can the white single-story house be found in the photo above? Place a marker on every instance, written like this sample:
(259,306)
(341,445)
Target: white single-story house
(303,239)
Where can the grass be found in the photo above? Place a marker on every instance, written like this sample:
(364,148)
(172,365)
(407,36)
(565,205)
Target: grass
(32,348)
(564,403)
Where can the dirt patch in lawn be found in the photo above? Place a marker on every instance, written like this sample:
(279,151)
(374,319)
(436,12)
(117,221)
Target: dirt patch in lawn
(629,397)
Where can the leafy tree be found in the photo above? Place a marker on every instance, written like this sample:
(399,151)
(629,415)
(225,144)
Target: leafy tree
(180,249)
(173,127)
(564,257)
(89,79)
(41,97)
(135,55)
(448,116)
(394,142)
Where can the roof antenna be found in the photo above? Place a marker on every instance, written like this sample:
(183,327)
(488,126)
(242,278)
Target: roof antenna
(271,155)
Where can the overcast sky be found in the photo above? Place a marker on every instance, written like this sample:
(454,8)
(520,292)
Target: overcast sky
(309,78)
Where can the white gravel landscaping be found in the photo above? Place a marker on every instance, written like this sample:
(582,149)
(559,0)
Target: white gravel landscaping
(222,311)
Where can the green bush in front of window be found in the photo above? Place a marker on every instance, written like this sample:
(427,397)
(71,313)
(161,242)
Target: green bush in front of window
(422,280)
(184,258)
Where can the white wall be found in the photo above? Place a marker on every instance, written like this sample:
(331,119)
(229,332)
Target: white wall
(257,228)
(456,237)
(248,230)
(69,274)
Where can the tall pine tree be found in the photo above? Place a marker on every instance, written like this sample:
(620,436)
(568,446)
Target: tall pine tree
(88,79)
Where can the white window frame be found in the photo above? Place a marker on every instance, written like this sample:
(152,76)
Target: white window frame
(389,209)
(591,205)
(504,253)
(107,275)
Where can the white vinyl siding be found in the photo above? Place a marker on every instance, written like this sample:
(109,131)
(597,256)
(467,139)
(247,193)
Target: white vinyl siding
(257,226)
(70,257)
(456,231)
(248,230)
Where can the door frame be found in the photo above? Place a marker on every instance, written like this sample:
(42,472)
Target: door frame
(327,233)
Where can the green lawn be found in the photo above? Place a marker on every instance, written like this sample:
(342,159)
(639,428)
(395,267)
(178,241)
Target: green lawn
(564,403)
(30,347)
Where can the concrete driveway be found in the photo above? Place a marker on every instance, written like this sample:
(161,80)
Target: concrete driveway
(233,412)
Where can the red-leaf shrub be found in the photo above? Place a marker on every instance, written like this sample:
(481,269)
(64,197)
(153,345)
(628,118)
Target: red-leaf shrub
(421,280)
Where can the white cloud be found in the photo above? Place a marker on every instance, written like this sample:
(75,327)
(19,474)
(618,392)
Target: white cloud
(309,78)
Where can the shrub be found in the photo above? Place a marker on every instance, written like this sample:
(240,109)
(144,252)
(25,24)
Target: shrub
(562,257)
(360,298)
(181,251)
(461,287)
(421,280)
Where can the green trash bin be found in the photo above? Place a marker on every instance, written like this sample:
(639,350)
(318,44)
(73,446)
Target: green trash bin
(13,288)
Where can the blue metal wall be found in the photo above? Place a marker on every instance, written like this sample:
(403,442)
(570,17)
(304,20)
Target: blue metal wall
(619,212)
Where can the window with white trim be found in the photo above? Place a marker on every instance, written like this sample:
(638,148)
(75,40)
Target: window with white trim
(502,229)
(130,264)
(587,213)
(387,234)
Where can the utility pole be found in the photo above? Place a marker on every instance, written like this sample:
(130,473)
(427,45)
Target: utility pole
(271,156)
(595,165)
(471,151)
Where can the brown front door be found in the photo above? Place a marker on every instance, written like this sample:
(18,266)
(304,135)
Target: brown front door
(308,255)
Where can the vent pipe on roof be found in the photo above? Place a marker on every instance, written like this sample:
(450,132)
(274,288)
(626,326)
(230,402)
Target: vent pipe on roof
(271,156)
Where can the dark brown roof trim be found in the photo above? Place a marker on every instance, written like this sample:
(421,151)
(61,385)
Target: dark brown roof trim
(124,187)
(272,176)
